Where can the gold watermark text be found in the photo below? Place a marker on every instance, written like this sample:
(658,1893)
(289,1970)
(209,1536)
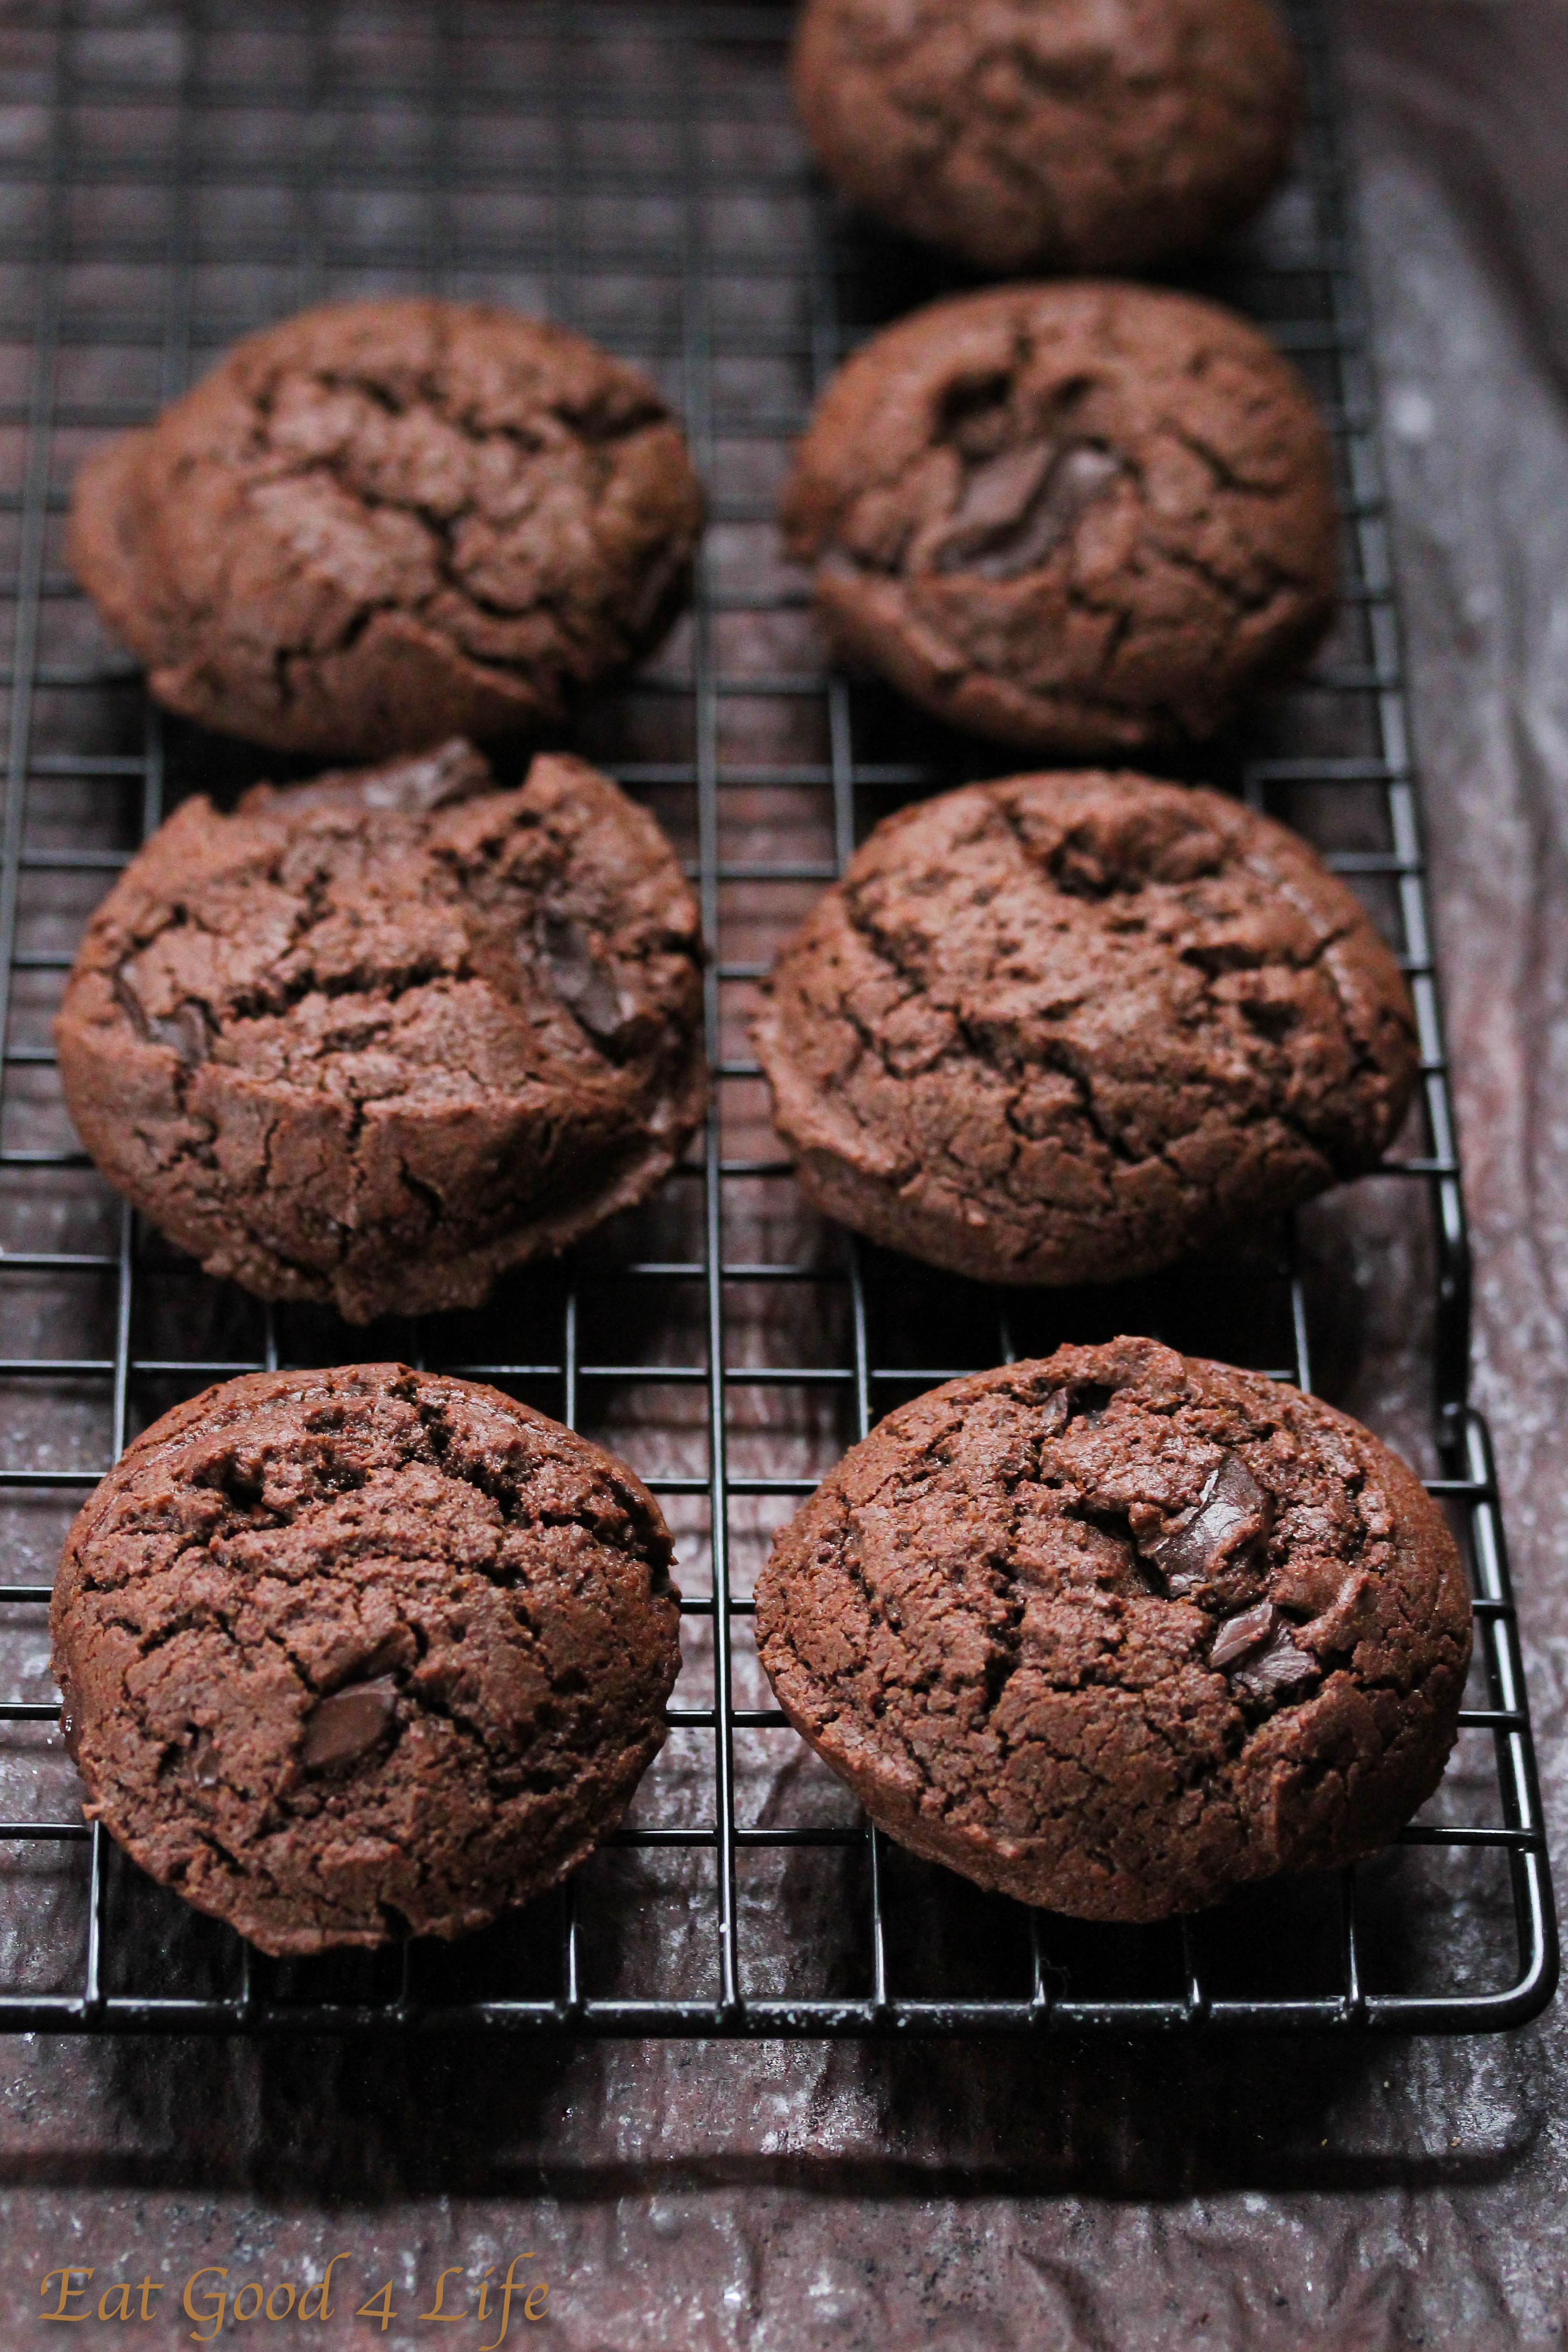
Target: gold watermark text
(215,2300)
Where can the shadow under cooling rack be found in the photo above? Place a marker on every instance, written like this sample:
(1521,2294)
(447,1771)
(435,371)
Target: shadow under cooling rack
(635,171)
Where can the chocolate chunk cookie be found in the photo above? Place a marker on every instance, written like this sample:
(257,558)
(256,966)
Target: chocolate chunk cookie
(1064,1028)
(1090,520)
(383,523)
(1119,1631)
(349,1655)
(1050,135)
(375,1039)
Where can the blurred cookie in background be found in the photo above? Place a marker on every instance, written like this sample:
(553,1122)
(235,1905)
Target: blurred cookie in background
(382,523)
(1040,136)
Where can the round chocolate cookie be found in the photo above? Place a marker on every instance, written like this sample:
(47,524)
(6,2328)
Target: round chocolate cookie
(382,523)
(1050,135)
(1119,1631)
(373,1039)
(1085,518)
(348,1655)
(1065,1028)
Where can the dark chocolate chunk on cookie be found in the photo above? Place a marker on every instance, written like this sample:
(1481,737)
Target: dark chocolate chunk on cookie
(1065,1028)
(376,1038)
(354,1654)
(1088,519)
(1119,1631)
(381,523)
(1050,135)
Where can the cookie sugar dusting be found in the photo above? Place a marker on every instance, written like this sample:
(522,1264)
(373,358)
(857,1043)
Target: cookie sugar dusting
(380,523)
(1120,1629)
(358,1653)
(375,1039)
(1064,1028)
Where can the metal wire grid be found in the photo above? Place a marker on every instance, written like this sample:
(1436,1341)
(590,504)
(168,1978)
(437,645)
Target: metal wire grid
(700,151)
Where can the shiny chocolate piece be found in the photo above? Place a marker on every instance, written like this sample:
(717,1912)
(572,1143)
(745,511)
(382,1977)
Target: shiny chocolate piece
(1243,1632)
(184,1030)
(583,973)
(1279,1673)
(1018,508)
(347,1724)
(1055,1412)
(1232,1510)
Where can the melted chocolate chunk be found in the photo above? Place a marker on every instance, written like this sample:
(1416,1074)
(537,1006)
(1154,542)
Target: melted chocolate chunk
(1232,1511)
(349,1723)
(1238,1635)
(187,1030)
(583,977)
(1055,1412)
(1279,1673)
(1018,507)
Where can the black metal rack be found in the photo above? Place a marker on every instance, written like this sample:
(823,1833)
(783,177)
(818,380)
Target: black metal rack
(172,180)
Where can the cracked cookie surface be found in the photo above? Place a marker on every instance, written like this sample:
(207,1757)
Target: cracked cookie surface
(382,523)
(376,1038)
(1065,1028)
(1119,1631)
(1050,135)
(1090,520)
(358,1653)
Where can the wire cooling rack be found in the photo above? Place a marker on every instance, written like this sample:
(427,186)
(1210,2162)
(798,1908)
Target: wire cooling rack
(172,177)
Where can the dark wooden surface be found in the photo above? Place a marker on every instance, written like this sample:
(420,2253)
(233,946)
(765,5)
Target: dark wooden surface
(967,2198)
